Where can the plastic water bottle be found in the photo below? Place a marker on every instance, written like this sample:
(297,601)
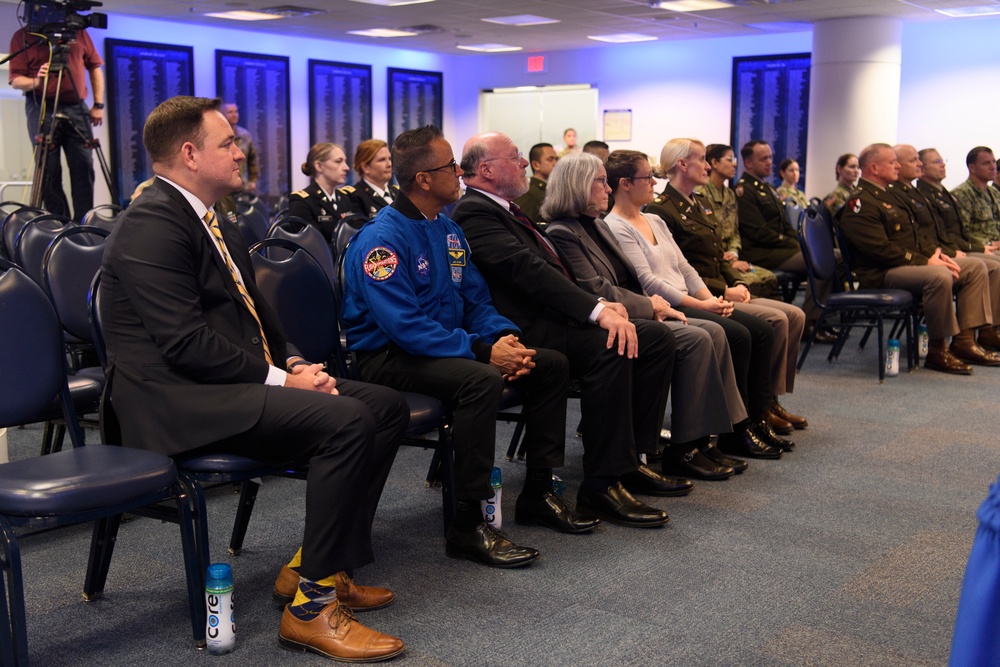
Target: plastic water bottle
(892,358)
(220,631)
(491,507)
(922,340)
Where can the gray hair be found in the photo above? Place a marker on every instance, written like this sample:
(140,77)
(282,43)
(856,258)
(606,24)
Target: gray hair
(567,193)
(870,154)
(473,157)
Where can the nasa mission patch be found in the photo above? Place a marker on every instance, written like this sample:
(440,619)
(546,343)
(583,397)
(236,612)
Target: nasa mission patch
(381,263)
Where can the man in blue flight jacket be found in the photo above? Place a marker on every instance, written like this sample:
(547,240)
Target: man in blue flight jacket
(419,317)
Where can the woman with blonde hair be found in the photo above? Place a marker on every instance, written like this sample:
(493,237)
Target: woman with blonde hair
(323,203)
(373,164)
(689,217)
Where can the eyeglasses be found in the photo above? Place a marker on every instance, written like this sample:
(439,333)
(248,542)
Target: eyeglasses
(643,178)
(451,165)
(516,158)
(603,180)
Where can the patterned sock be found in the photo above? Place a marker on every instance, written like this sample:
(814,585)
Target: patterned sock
(296,561)
(312,597)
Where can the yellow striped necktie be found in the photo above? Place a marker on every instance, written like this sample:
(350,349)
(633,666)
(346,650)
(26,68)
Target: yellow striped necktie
(213,225)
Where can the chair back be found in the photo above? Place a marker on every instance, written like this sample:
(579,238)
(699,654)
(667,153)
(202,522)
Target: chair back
(816,240)
(34,239)
(33,370)
(253,228)
(794,214)
(71,262)
(299,292)
(300,232)
(96,325)
(104,216)
(345,232)
(12,224)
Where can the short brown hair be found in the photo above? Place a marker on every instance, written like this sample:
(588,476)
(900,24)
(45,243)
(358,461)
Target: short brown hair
(623,164)
(366,152)
(173,123)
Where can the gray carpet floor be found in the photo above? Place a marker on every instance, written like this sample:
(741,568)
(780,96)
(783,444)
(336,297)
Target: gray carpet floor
(848,551)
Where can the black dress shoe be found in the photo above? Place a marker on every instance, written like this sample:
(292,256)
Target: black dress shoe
(646,481)
(713,453)
(747,444)
(487,545)
(767,435)
(550,511)
(697,465)
(617,505)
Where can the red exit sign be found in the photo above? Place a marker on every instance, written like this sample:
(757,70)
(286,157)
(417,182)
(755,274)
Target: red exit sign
(536,63)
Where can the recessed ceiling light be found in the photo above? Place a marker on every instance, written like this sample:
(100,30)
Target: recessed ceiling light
(975,10)
(692,5)
(391,3)
(382,32)
(244,15)
(521,20)
(622,38)
(489,47)
(781,26)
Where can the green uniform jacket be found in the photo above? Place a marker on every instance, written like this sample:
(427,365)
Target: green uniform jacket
(980,211)
(947,209)
(531,201)
(882,234)
(930,227)
(767,237)
(698,237)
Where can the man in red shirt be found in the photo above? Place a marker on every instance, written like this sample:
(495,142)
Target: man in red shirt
(28,71)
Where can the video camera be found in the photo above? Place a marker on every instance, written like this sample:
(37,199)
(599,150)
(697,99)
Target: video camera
(52,17)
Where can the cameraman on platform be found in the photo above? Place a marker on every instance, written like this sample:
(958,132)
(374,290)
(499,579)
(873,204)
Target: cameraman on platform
(28,72)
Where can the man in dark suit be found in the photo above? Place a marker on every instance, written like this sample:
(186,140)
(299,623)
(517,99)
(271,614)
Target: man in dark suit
(624,394)
(197,362)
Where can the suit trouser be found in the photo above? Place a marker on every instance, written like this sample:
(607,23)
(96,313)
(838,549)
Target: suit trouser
(351,442)
(704,393)
(787,323)
(934,284)
(623,400)
(992,263)
(750,342)
(472,390)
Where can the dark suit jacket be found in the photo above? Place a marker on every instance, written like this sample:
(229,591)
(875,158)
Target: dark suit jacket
(697,235)
(767,237)
(185,361)
(591,267)
(366,200)
(526,283)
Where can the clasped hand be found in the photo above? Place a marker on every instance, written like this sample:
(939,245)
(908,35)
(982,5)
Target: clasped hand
(511,358)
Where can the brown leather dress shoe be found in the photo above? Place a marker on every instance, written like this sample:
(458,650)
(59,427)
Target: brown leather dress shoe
(973,354)
(945,362)
(335,633)
(778,410)
(779,425)
(358,598)
(989,339)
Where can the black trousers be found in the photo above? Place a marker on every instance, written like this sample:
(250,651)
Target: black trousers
(750,343)
(78,157)
(471,390)
(350,441)
(623,400)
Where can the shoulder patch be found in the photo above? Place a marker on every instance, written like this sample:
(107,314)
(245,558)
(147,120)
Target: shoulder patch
(300,193)
(347,189)
(380,263)
(855,205)
(739,190)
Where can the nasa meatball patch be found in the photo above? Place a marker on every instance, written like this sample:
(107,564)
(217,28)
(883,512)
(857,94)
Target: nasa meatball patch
(381,263)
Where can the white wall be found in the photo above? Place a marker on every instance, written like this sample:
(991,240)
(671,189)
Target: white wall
(950,92)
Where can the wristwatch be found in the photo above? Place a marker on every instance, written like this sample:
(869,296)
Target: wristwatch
(98,105)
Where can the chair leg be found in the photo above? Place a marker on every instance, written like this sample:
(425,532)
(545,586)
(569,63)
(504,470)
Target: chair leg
(434,469)
(809,343)
(248,496)
(102,546)
(48,435)
(192,525)
(881,348)
(447,472)
(18,626)
(515,440)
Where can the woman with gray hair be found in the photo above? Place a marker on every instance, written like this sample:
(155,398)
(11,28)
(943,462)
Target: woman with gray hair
(705,395)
